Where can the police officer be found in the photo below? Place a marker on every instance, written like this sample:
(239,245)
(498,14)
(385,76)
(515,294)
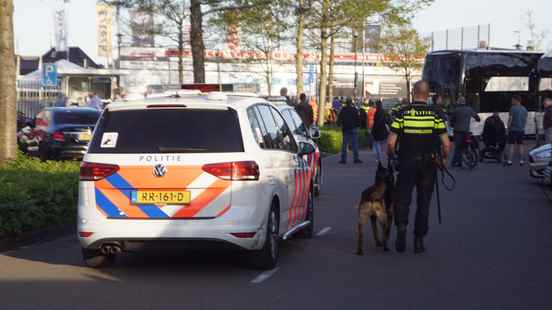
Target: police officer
(397,108)
(417,127)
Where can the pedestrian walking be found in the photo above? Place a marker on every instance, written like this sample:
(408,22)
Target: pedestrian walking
(460,120)
(349,120)
(304,110)
(547,119)
(516,131)
(415,131)
(380,131)
(284,93)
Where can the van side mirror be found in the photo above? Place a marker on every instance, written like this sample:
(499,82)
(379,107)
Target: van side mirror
(315,132)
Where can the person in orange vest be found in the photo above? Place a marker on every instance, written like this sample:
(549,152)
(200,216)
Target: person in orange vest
(314,107)
(371,113)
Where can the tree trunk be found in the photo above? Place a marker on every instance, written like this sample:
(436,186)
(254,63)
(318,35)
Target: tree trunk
(323,61)
(407,78)
(180,58)
(8,127)
(299,42)
(332,67)
(196,41)
(323,77)
(269,72)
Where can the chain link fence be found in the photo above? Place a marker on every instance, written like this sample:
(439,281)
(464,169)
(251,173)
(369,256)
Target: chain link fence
(462,38)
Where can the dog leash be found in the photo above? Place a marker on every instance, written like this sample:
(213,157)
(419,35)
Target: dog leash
(448,186)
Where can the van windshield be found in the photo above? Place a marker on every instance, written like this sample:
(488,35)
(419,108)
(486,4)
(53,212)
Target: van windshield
(168,131)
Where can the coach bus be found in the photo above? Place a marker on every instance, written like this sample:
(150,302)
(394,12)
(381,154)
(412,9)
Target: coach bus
(487,79)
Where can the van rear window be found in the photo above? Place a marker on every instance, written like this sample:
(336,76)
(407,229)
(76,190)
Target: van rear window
(168,131)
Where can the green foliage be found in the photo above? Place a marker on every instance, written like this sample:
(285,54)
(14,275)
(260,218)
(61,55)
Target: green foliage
(35,194)
(331,138)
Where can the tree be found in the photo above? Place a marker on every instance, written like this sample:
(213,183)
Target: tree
(301,8)
(403,49)
(536,37)
(263,30)
(336,15)
(172,14)
(8,127)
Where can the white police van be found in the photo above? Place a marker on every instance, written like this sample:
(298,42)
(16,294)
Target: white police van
(216,168)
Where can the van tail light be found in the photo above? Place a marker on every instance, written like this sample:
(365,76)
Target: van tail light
(96,172)
(58,136)
(234,171)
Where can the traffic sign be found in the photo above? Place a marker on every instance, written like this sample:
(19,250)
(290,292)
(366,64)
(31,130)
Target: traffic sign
(49,75)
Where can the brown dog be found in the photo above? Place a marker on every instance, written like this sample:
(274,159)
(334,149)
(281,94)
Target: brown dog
(376,207)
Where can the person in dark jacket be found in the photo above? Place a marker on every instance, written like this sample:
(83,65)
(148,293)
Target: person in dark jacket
(494,137)
(305,111)
(460,120)
(349,120)
(380,131)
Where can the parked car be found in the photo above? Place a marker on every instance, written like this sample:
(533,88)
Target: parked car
(539,159)
(304,135)
(217,170)
(59,133)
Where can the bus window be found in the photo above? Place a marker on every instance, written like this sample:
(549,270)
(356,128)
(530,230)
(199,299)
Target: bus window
(443,72)
(507,84)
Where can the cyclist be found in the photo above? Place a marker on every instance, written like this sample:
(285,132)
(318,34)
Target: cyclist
(460,120)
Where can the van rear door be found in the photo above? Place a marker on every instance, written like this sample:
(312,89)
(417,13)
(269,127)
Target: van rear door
(169,163)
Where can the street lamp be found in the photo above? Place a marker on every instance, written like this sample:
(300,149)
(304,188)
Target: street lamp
(355,36)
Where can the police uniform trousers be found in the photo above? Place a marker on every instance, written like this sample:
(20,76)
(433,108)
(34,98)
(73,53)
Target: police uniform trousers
(419,173)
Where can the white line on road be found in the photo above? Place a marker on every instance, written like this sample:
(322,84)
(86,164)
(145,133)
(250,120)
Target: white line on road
(264,276)
(324,231)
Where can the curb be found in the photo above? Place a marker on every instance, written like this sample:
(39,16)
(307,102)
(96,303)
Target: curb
(8,243)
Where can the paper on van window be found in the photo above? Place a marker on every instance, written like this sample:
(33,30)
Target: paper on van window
(109,140)
(259,135)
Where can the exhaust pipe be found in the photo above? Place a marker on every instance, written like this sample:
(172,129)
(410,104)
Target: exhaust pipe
(106,249)
(115,250)
(111,249)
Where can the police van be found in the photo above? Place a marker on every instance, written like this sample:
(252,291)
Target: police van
(209,169)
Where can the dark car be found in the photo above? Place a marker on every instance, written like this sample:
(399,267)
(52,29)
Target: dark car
(59,133)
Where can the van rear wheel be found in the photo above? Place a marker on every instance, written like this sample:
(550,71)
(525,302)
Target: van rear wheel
(267,257)
(95,258)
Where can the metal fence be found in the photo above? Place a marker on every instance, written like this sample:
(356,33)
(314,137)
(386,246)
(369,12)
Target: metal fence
(32,97)
(460,38)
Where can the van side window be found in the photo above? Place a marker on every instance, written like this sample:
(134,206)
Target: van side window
(284,134)
(289,120)
(259,131)
(301,127)
(271,127)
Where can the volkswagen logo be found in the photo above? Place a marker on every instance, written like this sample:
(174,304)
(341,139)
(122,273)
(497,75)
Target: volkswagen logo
(159,170)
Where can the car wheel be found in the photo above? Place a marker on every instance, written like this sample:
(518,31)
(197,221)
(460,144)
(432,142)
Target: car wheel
(23,147)
(95,258)
(43,153)
(267,257)
(308,232)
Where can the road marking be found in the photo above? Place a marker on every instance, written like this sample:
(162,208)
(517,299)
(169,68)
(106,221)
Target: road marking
(264,276)
(324,231)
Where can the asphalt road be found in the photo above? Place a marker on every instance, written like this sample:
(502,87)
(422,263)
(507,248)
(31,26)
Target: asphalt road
(494,251)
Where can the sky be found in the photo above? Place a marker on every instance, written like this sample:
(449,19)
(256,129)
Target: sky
(34,21)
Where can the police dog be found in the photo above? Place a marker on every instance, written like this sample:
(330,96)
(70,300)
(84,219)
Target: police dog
(376,207)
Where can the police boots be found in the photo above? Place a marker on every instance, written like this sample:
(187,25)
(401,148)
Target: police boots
(400,242)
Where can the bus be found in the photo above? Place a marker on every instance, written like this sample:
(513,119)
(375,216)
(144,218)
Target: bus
(487,78)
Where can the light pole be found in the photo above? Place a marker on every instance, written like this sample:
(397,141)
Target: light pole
(355,36)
